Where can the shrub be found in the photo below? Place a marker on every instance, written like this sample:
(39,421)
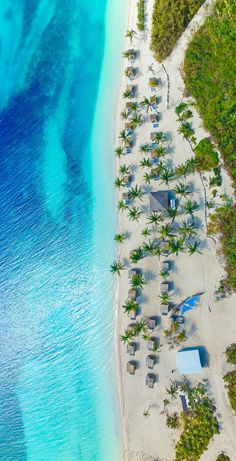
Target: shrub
(231,354)
(230,380)
(170,19)
(222,457)
(206,157)
(141,15)
(172,420)
(199,425)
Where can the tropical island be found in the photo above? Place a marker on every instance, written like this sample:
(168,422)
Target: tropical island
(176,263)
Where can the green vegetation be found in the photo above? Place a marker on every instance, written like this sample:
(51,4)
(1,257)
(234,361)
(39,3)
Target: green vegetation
(209,73)
(230,380)
(141,15)
(206,157)
(199,425)
(222,457)
(231,354)
(172,421)
(170,19)
(224,222)
(210,70)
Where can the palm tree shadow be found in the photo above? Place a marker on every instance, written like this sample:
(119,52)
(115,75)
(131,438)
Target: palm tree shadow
(150,276)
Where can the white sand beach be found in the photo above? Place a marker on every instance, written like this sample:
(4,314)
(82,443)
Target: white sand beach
(211,325)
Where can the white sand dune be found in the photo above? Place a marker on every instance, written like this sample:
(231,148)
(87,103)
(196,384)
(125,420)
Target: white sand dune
(211,325)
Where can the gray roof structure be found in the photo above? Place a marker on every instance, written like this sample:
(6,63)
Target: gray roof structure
(164,309)
(159,201)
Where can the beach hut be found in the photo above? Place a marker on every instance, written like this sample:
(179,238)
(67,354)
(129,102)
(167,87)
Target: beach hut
(164,287)
(128,126)
(126,198)
(151,323)
(131,367)
(153,83)
(132,293)
(154,174)
(133,315)
(165,266)
(184,403)
(159,201)
(151,344)
(188,361)
(128,106)
(131,89)
(154,120)
(130,72)
(154,102)
(164,309)
(127,180)
(131,348)
(133,272)
(150,361)
(150,380)
(132,54)
(165,249)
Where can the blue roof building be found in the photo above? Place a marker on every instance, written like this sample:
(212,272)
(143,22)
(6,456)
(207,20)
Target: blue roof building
(188,361)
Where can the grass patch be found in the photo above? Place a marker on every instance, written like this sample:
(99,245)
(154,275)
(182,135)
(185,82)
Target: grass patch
(170,19)
(206,157)
(231,354)
(230,384)
(222,457)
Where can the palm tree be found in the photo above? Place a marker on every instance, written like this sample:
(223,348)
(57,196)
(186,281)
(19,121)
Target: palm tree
(146,232)
(182,189)
(155,218)
(146,413)
(124,114)
(181,108)
(165,298)
(191,164)
(130,306)
(145,148)
(150,69)
(156,251)
(124,169)
(166,176)
(128,54)
(127,94)
(160,138)
(122,205)
(164,274)
(145,163)
(136,192)
(148,247)
(182,170)
(146,103)
(140,327)
(125,137)
(186,230)
(176,246)
(117,267)
(147,177)
(119,182)
(172,391)
(127,336)
(166,231)
(161,151)
(119,238)
(186,130)
(193,248)
(172,213)
(138,281)
(119,152)
(134,214)
(134,105)
(190,207)
(136,120)
(136,255)
(130,34)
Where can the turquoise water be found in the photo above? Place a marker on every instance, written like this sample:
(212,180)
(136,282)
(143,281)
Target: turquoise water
(59,63)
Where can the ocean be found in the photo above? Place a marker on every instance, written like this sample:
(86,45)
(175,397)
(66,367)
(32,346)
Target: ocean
(59,77)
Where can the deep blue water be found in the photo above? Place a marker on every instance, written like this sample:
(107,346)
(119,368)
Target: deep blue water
(57,383)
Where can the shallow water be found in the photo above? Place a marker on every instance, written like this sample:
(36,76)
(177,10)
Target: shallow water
(57,382)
